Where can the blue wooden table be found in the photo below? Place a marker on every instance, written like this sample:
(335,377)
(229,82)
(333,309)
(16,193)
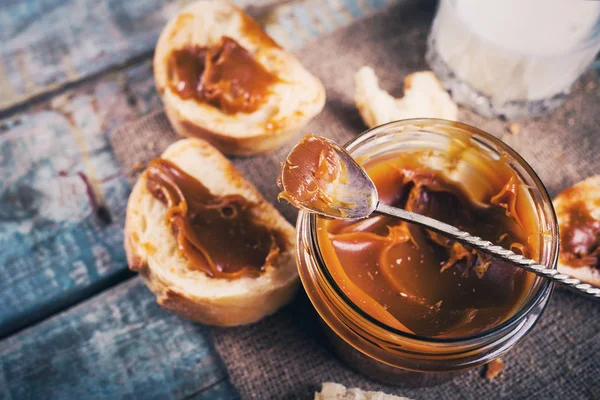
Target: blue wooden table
(74,322)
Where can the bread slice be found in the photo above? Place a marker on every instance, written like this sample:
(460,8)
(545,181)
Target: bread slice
(291,103)
(335,391)
(152,249)
(424,97)
(585,193)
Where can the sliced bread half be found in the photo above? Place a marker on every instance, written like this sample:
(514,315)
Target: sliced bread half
(152,248)
(288,105)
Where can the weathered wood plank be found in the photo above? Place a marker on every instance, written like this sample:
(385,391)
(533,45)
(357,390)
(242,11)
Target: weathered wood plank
(54,157)
(117,345)
(62,196)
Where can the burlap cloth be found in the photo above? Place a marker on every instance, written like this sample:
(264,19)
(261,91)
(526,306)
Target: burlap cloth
(286,355)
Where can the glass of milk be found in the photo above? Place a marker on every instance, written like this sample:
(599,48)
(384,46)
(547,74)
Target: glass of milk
(513,58)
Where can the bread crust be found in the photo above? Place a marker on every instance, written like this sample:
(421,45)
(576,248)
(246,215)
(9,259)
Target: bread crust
(150,249)
(588,192)
(292,103)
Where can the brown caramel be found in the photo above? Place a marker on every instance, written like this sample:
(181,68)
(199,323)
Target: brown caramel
(580,238)
(310,167)
(225,75)
(217,234)
(421,282)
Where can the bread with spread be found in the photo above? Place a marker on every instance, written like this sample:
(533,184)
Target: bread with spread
(205,241)
(424,97)
(223,79)
(578,212)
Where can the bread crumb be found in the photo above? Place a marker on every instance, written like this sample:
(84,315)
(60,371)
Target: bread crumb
(514,128)
(494,368)
(335,391)
(570,339)
(137,167)
(424,97)
(531,361)
(591,85)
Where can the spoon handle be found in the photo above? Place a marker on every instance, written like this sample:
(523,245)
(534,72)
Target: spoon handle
(490,248)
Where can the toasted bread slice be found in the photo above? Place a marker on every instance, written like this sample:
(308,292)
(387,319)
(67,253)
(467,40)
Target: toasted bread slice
(151,247)
(584,197)
(335,391)
(424,97)
(291,103)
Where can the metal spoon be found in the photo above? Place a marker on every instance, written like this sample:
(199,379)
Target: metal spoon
(357,197)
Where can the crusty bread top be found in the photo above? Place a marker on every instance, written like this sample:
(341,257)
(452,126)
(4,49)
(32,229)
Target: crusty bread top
(295,96)
(154,245)
(586,193)
(424,97)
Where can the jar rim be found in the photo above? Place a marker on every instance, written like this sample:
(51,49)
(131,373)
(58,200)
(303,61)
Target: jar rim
(543,291)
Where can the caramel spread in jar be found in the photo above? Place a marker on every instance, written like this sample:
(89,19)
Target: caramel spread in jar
(311,166)
(217,234)
(580,238)
(421,282)
(225,75)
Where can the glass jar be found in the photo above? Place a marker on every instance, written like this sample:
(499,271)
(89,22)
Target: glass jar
(398,357)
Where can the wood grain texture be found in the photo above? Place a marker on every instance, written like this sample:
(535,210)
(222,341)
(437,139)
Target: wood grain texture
(63,196)
(120,344)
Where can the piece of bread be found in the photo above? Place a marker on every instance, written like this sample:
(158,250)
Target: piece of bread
(292,102)
(335,391)
(583,194)
(424,97)
(152,249)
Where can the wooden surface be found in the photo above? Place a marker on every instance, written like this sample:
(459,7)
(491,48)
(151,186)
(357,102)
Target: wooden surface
(71,72)
(116,345)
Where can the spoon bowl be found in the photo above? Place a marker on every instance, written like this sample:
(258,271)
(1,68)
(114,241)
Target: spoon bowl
(321,177)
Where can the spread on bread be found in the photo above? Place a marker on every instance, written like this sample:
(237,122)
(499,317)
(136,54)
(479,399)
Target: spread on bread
(421,282)
(225,75)
(578,212)
(205,241)
(310,168)
(580,238)
(217,234)
(424,97)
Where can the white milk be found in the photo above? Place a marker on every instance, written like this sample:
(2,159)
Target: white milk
(517,50)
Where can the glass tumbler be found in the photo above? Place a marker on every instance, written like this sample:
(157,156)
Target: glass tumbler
(513,58)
